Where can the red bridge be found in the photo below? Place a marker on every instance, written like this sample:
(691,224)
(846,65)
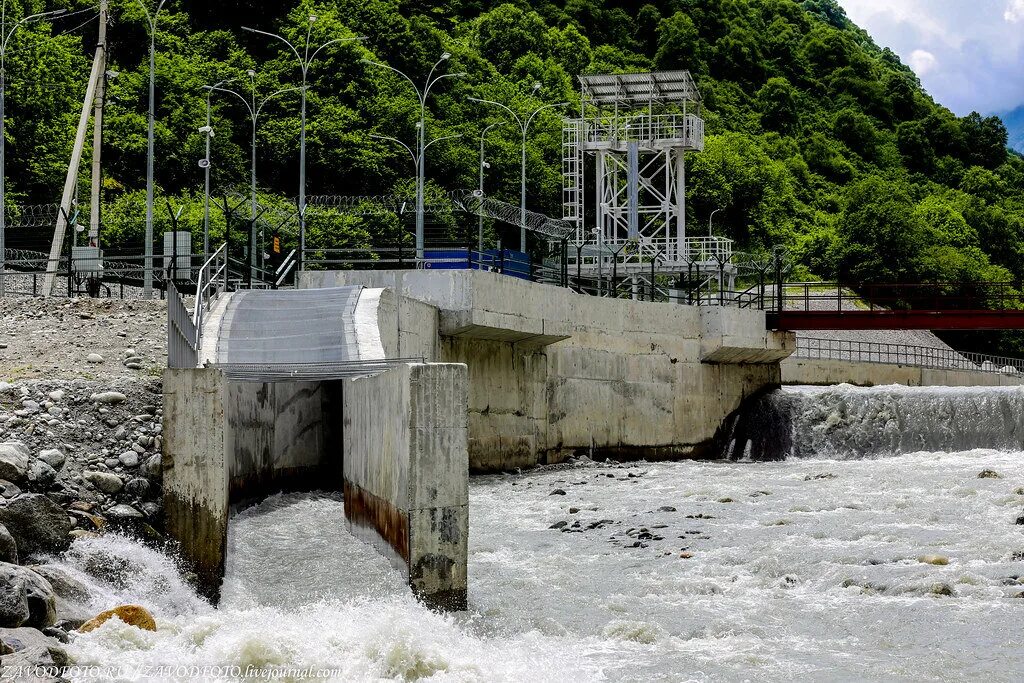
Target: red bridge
(943,306)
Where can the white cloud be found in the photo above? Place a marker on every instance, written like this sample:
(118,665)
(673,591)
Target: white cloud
(1014,11)
(922,62)
(969,55)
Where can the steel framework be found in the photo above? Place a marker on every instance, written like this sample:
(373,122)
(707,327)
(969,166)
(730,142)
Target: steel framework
(631,138)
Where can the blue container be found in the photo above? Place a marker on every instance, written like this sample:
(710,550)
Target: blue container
(512,263)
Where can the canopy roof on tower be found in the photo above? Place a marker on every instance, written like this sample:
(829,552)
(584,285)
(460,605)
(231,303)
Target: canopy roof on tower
(641,88)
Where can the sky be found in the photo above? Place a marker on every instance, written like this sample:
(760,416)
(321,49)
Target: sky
(969,54)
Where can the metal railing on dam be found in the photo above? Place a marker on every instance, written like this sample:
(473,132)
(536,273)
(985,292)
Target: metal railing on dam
(811,348)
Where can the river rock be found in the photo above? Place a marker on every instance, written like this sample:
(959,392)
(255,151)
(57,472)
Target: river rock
(56,395)
(41,474)
(940,560)
(129,459)
(124,512)
(13,460)
(53,458)
(94,358)
(13,605)
(21,583)
(71,596)
(108,397)
(133,615)
(989,474)
(27,647)
(152,468)
(104,481)
(37,524)
(941,589)
(137,487)
(8,546)
(9,489)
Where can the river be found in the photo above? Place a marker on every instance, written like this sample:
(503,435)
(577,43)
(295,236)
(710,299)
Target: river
(808,568)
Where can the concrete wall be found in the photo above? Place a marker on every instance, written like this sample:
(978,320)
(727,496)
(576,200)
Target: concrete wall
(195,470)
(552,373)
(828,372)
(406,474)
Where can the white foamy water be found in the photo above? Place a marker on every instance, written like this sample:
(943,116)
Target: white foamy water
(806,569)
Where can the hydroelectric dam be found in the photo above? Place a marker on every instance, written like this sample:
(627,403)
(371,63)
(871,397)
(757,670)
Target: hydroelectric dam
(391,387)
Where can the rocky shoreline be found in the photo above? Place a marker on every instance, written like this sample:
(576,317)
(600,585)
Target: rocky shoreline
(80,456)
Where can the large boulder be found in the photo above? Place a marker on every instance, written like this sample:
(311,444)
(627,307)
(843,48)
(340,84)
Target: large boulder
(53,457)
(25,648)
(8,546)
(13,461)
(133,615)
(41,475)
(72,597)
(36,593)
(13,605)
(37,524)
(107,482)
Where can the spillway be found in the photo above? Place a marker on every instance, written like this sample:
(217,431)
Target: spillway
(854,422)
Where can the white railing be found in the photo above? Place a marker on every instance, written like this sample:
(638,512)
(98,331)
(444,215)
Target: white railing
(211,283)
(661,252)
(687,129)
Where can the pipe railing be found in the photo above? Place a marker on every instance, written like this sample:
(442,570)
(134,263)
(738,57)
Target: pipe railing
(812,348)
(211,282)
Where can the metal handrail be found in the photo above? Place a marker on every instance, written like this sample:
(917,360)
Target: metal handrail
(813,348)
(216,267)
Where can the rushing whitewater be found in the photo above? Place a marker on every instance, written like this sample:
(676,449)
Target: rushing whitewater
(808,569)
(854,422)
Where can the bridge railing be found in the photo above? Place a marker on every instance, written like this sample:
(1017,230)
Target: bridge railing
(934,296)
(811,348)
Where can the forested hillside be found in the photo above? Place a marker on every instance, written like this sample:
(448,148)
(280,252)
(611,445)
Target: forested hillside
(818,139)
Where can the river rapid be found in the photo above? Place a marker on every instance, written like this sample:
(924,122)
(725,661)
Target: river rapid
(808,568)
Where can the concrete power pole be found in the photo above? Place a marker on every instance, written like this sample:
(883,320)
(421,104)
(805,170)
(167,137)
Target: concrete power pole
(97,133)
(70,181)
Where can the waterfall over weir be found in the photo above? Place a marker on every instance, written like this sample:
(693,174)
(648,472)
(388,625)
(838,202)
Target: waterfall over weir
(847,422)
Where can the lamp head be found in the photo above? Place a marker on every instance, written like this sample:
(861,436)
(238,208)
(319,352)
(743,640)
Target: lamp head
(312,18)
(207,129)
(536,86)
(446,55)
(112,74)
(251,73)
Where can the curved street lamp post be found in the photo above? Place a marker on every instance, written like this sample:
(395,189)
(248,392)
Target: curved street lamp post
(524,122)
(305,61)
(151,20)
(421,135)
(254,108)
(483,166)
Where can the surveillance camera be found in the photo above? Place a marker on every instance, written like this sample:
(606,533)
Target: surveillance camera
(206,129)
(204,163)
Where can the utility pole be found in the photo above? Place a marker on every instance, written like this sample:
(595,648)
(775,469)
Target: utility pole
(71,180)
(97,133)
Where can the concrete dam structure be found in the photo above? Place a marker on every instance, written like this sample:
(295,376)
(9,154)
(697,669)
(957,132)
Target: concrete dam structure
(393,385)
